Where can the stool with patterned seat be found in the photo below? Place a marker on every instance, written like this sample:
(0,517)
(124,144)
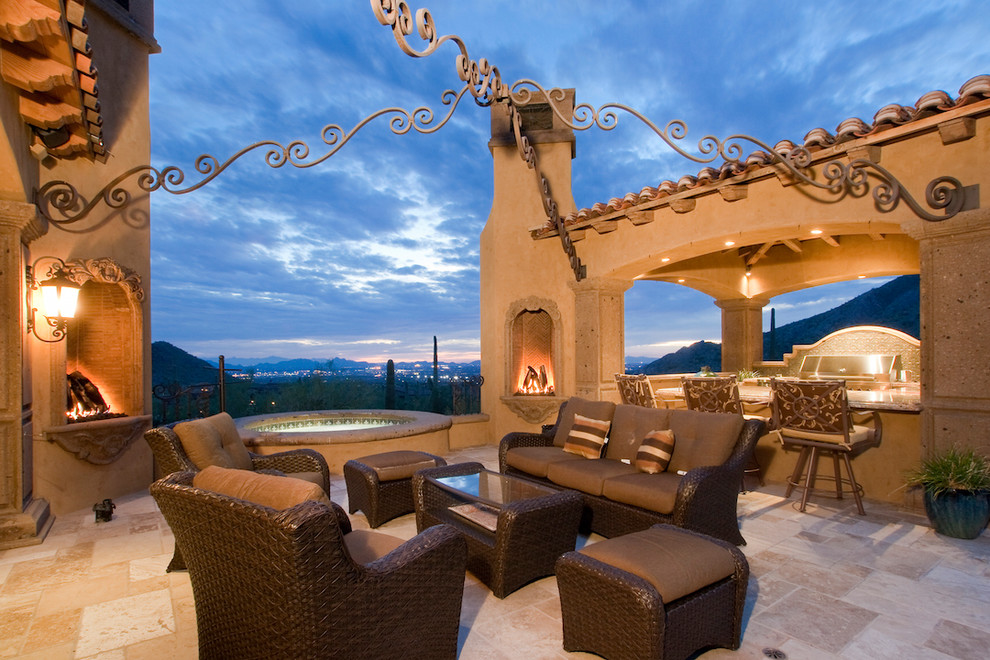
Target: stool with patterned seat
(380,485)
(665,592)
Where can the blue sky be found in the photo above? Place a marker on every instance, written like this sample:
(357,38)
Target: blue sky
(375,251)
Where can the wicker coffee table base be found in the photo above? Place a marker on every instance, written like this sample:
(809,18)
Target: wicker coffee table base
(530,535)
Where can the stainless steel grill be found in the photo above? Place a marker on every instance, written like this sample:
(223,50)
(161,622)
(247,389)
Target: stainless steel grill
(856,370)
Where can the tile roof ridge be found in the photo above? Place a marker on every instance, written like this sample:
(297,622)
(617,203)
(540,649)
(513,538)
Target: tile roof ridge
(931,103)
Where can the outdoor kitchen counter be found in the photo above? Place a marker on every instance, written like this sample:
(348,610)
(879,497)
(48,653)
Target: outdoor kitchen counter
(895,399)
(880,470)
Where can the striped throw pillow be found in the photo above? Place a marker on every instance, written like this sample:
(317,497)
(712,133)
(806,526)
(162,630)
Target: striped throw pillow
(587,436)
(654,453)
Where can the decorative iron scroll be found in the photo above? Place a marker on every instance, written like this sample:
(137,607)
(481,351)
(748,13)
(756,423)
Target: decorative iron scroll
(61,204)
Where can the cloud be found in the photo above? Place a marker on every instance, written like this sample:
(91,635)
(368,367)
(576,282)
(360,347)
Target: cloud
(381,239)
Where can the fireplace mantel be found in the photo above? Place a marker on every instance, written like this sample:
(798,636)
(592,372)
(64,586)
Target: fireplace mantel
(101,441)
(532,408)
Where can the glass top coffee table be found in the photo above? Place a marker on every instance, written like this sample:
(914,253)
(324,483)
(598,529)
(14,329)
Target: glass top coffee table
(515,529)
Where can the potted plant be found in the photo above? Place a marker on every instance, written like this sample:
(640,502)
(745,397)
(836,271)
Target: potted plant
(957,491)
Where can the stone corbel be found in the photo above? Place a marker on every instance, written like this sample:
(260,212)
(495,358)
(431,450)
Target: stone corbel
(99,442)
(532,409)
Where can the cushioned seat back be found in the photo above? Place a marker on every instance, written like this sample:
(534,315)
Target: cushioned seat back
(702,438)
(265,489)
(817,407)
(599,410)
(630,424)
(213,441)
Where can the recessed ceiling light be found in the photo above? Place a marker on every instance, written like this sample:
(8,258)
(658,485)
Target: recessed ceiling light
(681,280)
(816,231)
(665,259)
(861,277)
(729,243)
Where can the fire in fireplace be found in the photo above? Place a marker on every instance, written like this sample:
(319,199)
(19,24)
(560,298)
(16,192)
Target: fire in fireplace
(84,401)
(536,382)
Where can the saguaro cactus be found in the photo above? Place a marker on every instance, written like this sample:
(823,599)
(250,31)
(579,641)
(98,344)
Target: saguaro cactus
(390,385)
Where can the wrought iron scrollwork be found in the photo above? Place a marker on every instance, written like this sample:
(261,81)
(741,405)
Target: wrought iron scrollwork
(60,203)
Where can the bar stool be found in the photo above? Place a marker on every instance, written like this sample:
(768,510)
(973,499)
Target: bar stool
(635,389)
(814,416)
(720,394)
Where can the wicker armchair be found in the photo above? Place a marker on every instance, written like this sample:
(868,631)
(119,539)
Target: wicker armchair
(170,456)
(282,584)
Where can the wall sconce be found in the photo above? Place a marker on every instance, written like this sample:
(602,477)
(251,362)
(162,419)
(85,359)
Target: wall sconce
(749,271)
(59,295)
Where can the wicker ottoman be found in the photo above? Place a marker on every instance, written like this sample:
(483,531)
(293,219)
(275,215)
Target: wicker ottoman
(381,484)
(665,592)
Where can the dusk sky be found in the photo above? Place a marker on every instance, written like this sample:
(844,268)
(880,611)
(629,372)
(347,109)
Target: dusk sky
(373,252)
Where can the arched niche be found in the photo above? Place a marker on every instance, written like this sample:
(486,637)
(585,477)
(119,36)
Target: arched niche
(104,341)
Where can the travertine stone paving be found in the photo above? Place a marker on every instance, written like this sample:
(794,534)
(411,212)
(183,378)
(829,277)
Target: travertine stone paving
(825,584)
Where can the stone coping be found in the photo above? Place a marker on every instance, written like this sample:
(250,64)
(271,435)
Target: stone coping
(410,422)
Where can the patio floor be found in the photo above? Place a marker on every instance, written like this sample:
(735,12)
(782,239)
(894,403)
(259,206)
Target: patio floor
(825,584)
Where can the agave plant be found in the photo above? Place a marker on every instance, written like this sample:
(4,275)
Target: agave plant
(952,470)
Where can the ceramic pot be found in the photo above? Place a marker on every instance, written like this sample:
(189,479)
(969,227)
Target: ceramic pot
(961,514)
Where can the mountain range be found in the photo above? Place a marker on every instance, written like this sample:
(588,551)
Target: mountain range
(895,304)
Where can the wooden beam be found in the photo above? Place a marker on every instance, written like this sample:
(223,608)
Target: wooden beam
(828,239)
(795,246)
(760,253)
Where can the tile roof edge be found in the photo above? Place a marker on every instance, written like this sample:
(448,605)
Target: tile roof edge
(890,125)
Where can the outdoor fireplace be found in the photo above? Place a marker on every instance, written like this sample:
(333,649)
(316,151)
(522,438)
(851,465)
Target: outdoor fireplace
(532,350)
(533,341)
(104,360)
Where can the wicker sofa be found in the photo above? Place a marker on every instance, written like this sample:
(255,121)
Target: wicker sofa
(697,491)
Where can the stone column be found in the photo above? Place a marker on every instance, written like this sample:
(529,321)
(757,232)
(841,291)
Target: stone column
(955,330)
(599,335)
(742,332)
(23,521)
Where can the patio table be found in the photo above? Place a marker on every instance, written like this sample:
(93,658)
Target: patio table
(515,529)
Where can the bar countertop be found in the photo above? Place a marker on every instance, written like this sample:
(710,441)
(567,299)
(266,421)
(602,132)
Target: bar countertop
(895,399)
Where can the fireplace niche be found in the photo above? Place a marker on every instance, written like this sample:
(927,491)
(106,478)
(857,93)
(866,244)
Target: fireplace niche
(532,333)
(104,346)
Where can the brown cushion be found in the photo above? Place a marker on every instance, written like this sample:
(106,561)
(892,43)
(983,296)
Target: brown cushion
(395,465)
(265,489)
(311,477)
(587,436)
(366,546)
(586,476)
(578,406)
(702,438)
(536,460)
(203,444)
(654,492)
(231,440)
(676,563)
(630,424)
(655,452)
(857,434)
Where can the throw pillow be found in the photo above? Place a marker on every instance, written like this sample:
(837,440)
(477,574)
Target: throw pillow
(587,436)
(654,453)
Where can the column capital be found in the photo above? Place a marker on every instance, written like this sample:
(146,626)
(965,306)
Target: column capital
(604,285)
(22,218)
(966,222)
(733,304)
